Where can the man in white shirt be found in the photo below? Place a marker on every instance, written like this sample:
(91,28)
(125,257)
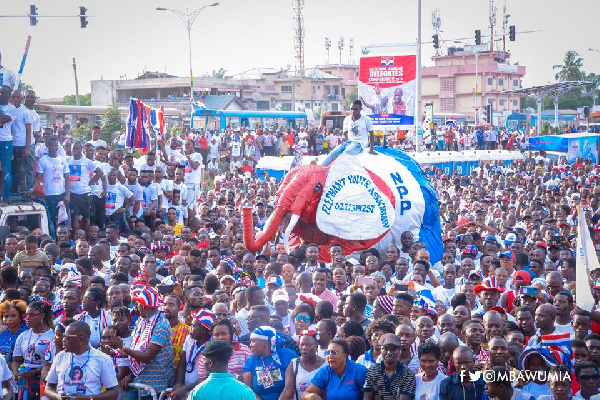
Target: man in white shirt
(358,131)
(194,165)
(80,370)
(30,99)
(54,171)
(7,77)
(81,171)
(21,141)
(7,113)
(135,188)
(118,199)
(96,141)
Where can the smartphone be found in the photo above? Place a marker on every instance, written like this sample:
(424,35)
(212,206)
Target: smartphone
(366,280)
(530,291)
(165,289)
(400,287)
(556,238)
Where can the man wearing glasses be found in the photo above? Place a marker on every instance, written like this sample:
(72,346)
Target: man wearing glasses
(389,379)
(80,371)
(588,377)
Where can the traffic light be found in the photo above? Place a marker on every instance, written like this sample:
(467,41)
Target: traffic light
(436,41)
(483,114)
(33,15)
(512,33)
(83,17)
(477,37)
(488,111)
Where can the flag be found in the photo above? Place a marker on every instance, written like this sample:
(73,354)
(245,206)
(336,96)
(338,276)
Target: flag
(586,261)
(137,131)
(200,104)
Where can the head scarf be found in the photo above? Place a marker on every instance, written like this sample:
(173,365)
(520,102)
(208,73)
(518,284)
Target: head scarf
(146,295)
(204,317)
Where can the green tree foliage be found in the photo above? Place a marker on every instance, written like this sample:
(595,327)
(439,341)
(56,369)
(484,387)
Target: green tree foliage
(112,125)
(350,97)
(81,132)
(570,69)
(220,74)
(84,100)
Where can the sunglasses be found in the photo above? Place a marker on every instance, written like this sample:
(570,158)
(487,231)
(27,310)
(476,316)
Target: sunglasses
(31,315)
(330,353)
(589,377)
(305,318)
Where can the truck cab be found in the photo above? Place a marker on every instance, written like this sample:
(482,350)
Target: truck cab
(23,211)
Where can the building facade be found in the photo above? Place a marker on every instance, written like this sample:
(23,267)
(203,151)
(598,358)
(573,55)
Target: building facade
(450,83)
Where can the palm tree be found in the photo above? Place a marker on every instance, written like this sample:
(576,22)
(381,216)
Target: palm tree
(571,68)
(220,74)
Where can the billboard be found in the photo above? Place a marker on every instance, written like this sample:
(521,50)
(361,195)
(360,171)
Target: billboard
(386,88)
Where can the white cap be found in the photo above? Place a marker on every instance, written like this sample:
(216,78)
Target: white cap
(280,295)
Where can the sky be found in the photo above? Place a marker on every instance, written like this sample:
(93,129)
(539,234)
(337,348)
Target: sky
(127,37)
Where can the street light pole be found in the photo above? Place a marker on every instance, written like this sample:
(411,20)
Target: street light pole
(188,19)
(418,125)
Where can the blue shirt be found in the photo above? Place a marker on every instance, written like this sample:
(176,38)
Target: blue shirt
(271,371)
(346,387)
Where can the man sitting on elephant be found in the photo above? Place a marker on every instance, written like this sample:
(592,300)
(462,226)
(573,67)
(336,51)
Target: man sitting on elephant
(358,131)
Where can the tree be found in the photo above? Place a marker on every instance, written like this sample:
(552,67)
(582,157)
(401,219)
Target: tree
(350,97)
(84,100)
(220,74)
(570,70)
(111,126)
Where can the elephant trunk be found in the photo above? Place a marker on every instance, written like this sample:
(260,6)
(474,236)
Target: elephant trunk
(255,244)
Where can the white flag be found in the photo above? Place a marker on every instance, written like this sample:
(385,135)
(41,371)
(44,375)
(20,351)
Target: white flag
(586,261)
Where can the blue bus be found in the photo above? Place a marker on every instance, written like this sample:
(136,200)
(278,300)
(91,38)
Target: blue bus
(218,120)
(519,120)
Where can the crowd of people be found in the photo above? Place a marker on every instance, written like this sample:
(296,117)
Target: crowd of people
(147,287)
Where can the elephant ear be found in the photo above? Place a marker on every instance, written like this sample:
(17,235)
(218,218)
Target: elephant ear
(356,204)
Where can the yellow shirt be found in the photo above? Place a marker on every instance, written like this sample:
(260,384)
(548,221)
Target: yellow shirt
(178,335)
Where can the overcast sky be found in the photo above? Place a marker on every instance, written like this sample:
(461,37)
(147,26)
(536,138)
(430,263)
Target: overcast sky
(127,37)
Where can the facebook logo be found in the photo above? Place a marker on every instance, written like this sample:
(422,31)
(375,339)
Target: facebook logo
(387,62)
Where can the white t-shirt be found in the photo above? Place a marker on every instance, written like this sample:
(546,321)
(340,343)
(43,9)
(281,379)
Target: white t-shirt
(85,373)
(138,194)
(7,77)
(80,173)
(192,176)
(566,328)
(5,373)
(358,131)
(7,128)
(20,121)
(105,167)
(148,196)
(188,346)
(34,120)
(236,148)
(182,212)
(95,327)
(428,390)
(115,197)
(32,347)
(54,178)
(165,186)
(98,142)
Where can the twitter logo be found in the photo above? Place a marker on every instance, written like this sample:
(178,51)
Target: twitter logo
(474,376)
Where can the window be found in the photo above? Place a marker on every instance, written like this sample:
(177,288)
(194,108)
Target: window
(263,105)
(334,106)
(500,82)
(286,106)
(490,81)
(327,89)
(343,92)
(515,102)
(306,105)
(286,89)
(515,82)
(447,85)
(336,90)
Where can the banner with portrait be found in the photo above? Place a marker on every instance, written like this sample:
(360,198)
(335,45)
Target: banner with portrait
(387,89)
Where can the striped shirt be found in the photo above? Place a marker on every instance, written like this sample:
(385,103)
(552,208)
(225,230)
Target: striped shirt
(402,382)
(178,335)
(241,353)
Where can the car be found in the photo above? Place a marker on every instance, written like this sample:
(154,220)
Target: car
(19,211)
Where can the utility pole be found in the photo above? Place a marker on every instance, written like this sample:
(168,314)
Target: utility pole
(76,83)
(418,125)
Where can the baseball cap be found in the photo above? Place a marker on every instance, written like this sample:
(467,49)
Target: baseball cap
(275,280)
(510,238)
(521,225)
(280,295)
(542,244)
(352,261)
(488,284)
(522,276)
(508,254)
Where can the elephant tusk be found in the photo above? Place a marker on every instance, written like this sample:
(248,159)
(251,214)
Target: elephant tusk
(286,235)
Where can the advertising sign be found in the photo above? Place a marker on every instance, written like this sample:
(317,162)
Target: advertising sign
(386,88)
